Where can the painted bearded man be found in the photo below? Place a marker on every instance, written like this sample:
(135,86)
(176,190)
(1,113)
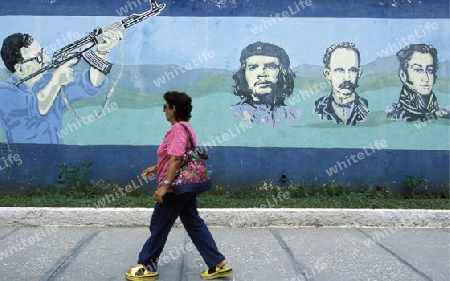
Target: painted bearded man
(263,83)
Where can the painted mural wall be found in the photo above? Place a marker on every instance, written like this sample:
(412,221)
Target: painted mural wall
(316,90)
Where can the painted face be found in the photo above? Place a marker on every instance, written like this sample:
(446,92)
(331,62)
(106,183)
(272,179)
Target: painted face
(420,76)
(33,59)
(261,73)
(343,73)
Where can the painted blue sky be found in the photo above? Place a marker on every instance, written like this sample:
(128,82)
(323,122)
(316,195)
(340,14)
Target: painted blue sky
(181,40)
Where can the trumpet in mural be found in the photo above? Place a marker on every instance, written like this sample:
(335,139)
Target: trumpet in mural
(83,46)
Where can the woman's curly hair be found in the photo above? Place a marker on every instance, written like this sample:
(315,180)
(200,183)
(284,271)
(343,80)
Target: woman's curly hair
(182,103)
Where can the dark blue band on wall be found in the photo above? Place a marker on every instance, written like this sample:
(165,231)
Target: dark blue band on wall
(238,8)
(36,166)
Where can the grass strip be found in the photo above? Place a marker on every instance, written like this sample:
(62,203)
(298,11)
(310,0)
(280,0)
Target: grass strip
(273,198)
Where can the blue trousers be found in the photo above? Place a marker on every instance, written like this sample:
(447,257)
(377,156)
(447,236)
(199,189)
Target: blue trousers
(163,218)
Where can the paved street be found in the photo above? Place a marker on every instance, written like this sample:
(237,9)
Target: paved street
(256,254)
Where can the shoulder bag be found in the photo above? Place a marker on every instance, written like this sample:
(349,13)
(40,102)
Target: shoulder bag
(192,175)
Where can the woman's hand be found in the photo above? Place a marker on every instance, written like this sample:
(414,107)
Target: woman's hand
(159,193)
(149,171)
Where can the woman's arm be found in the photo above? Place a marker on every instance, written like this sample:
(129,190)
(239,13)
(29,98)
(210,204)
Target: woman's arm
(174,163)
(149,171)
(172,169)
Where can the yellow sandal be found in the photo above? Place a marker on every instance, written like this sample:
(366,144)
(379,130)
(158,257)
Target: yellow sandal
(140,273)
(216,272)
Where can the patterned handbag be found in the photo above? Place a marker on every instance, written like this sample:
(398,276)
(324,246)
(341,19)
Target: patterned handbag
(192,175)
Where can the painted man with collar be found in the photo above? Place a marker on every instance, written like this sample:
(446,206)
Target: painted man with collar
(33,111)
(417,71)
(263,83)
(342,69)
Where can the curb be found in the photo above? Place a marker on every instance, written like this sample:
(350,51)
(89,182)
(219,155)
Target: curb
(245,217)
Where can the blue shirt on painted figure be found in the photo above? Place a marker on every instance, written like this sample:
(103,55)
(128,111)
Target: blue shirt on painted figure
(19,112)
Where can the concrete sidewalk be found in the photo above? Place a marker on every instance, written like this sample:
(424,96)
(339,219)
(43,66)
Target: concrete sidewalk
(80,244)
(256,254)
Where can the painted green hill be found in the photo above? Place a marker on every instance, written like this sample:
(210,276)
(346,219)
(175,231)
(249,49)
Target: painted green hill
(223,83)
(128,99)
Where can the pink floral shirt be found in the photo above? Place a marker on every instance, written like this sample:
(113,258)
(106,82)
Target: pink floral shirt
(174,143)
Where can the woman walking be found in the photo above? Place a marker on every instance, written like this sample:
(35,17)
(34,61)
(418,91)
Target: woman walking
(169,207)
